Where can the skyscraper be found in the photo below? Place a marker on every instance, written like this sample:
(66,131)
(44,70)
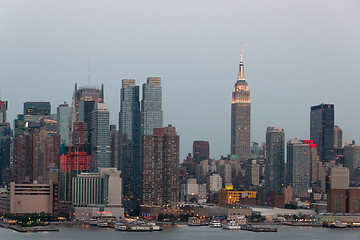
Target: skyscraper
(129,145)
(100,139)
(160,168)
(63,114)
(298,167)
(5,148)
(201,150)
(322,130)
(240,117)
(275,159)
(151,106)
(88,93)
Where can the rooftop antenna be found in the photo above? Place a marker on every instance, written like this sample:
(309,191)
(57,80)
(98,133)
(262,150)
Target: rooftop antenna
(89,73)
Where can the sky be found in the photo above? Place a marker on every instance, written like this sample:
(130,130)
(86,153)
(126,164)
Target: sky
(296,54)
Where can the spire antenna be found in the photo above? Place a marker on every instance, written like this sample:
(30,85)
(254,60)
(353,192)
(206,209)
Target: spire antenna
(241,58)
(241,66)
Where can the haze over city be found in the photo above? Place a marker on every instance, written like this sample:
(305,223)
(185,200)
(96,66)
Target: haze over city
(296,55)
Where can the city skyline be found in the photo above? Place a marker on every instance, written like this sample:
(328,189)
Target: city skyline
(289,65)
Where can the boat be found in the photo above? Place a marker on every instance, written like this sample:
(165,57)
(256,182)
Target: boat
(215,223)
(120,226)
(231,225)
(139,228)
(154,227)
(193,221)
(93,222)
(102,223)
(339,224)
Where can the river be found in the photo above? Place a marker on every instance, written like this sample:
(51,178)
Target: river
(183,232)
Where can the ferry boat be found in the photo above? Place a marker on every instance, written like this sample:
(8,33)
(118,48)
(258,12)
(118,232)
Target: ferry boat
(139,228)
(215,223)
(120,226)
(154,227)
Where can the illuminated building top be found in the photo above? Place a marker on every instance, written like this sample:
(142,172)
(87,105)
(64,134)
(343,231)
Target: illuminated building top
(241,93)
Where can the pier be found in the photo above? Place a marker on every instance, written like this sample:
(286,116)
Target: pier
(257,229)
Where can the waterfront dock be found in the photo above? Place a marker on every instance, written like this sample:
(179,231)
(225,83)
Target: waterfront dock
(257,228)
(21,229)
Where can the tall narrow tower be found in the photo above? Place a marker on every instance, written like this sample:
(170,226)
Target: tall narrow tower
(151,110)
(240,116)
(129,145)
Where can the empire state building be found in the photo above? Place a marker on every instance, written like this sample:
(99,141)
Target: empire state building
(240,117)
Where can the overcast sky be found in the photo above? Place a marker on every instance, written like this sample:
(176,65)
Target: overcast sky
(296,54)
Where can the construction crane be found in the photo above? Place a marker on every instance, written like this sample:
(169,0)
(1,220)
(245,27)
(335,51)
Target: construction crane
(69,155)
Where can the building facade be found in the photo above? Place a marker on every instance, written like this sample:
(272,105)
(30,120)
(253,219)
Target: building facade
(102,188)
(352,158)
(201,150)
(160,168)
(240,117)
(298,167)
(34,198)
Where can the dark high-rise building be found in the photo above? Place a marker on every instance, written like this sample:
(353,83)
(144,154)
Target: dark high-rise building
(322,130)
(114,146)
(201,150)
(3,108)
(160,168)
(129,145)
(151,106)
(275,159)
(240,117)
(5,148)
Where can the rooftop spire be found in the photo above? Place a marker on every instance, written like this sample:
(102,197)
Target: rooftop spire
(241,67)
(89,73)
